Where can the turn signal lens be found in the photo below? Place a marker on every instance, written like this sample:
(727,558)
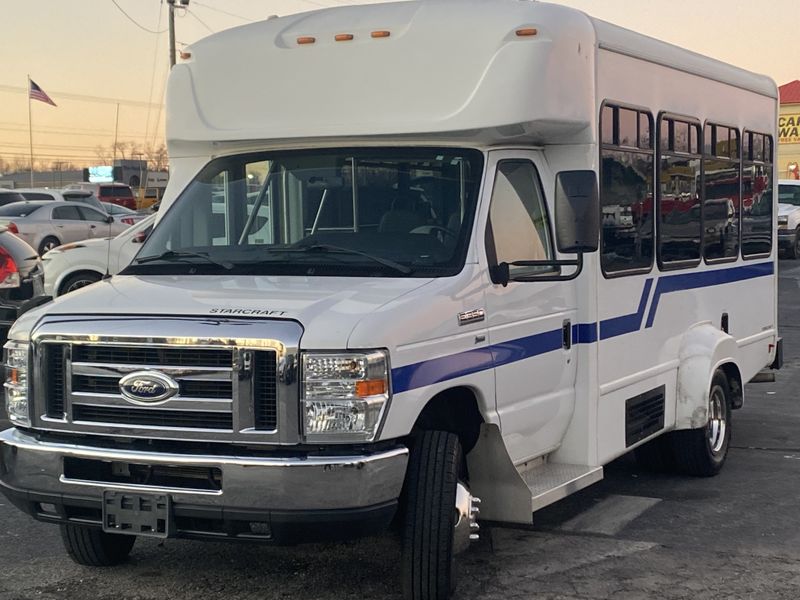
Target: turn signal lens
(371,387)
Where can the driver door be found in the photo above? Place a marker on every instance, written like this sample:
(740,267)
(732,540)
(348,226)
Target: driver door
(530,323)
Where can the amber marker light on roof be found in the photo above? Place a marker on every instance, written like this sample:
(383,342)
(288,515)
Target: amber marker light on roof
(306,39)
(380,34)
(343,37)
(528,31)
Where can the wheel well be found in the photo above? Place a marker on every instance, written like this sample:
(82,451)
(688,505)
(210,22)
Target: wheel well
(73,274)
(454,410)
(734,383)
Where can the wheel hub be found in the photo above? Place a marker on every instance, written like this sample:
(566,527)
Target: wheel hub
(717,423)
(466,527)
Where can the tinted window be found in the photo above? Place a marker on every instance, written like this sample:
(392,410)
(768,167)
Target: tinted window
(626,197)
(90,214)
(757,195)
(119,192)
(678,199)
(37,196)
(518,217)
(789,194)
(721,193)
(69,213)
(19,209)
(9,197)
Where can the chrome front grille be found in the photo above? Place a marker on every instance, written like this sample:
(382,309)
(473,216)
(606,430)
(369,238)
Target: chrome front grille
(227,388)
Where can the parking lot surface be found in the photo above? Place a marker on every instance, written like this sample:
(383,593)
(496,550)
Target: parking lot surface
(633,535)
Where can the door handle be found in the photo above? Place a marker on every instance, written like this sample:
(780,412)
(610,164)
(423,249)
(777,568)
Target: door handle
(92,226)
(566,334)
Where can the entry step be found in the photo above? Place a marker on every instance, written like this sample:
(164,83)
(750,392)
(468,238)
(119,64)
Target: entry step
(550,482)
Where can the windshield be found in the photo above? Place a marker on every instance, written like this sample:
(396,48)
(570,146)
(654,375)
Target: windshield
(19,209)
(789,194)
(401,212)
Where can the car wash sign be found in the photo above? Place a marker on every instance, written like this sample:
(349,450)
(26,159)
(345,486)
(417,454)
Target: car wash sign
(789,129)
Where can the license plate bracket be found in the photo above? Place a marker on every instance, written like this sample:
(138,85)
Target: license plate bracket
(137,514)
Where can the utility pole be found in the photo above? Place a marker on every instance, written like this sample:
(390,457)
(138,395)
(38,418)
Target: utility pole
(184,4)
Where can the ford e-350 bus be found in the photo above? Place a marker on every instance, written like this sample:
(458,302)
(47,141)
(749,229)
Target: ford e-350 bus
(432,252)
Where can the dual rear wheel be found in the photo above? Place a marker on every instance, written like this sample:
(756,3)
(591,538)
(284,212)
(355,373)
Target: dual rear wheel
(700,452)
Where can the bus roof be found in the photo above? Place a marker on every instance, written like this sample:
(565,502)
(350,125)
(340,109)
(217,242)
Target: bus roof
(448,70)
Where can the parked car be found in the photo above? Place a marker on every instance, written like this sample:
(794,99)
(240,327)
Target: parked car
(85,197)
(73,266)
(122,214)
(9,196)
(115,193)
(45,224)
(789,217)
(21,278)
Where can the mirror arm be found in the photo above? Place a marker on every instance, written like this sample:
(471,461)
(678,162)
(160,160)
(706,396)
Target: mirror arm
(500,274)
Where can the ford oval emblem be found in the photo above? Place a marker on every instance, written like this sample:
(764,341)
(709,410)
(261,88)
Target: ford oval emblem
(147,387)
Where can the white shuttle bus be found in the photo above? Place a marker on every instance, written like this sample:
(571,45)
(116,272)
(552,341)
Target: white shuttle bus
(411,255)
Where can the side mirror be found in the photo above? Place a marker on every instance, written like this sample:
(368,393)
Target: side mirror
(577,204)
(109,219)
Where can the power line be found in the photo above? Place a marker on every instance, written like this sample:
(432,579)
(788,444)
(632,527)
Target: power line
(199,20)
(219,10)
(18,89)
(132,20)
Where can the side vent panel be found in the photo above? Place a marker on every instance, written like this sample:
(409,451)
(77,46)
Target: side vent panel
(644,415)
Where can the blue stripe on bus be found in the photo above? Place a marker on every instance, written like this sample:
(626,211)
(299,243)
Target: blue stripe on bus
(429,372)
(691,281)
(626,323)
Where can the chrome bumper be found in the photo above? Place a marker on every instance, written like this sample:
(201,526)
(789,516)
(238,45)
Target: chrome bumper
(32,473)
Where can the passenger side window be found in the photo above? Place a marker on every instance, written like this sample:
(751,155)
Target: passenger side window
(626,190)
(518,221)
(66,213)
(90,214)
(721,192)
(679,224)
(757,153)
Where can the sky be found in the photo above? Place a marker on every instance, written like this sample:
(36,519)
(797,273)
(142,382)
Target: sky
(103,59)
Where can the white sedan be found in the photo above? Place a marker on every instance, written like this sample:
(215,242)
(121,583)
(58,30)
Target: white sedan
(73,266)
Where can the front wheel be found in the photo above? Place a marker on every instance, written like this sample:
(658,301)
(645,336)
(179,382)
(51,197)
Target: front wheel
(433,492)
(95,548)
(702,452)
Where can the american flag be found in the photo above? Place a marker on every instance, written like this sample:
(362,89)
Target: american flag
(37,93)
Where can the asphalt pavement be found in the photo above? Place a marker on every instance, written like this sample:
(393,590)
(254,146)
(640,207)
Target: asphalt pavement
(634,535)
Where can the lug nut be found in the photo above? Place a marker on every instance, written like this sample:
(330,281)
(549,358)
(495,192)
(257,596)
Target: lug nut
(474,537)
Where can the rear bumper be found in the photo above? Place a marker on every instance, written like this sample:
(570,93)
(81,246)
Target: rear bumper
(273,499)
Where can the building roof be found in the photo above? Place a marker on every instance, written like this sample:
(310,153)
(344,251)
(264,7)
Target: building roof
(790,93)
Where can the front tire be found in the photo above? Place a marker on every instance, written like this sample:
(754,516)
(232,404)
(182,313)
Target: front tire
(794,251)
(77,281)
(95,548)
(427,563)
(701,452)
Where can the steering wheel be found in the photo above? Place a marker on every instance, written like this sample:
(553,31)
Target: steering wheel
(444,231)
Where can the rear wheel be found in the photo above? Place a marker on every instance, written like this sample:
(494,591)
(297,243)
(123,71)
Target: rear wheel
(95,548)
(439,516)
(48,244)
(794,251)
(702,452)
(77,281)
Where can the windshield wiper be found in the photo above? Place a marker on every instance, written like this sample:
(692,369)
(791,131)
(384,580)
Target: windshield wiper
(173,255)
(323,248)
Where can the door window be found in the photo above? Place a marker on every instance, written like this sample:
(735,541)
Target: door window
(66,213)
(518,223)
(89,214)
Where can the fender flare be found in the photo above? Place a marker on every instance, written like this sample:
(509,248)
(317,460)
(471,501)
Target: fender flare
(703,349)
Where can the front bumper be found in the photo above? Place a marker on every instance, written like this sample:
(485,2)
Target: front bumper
(279,499)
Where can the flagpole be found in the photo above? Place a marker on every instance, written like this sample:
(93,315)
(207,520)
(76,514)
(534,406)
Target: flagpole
(30,126)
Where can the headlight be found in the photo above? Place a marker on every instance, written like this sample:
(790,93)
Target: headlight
(344,395)
(16,384)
